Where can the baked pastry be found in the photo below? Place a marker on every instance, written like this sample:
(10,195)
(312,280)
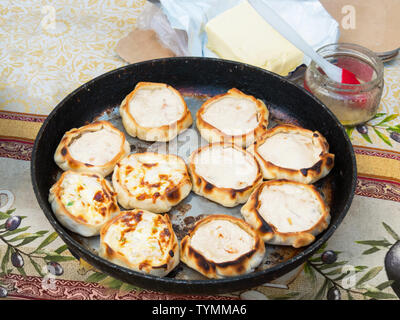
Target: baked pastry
(232,117)
(83,202)
(286,212)
(222,246)
(142,241)
(293,153)
(224,173)
(151,181)
(155,112)
(96,147)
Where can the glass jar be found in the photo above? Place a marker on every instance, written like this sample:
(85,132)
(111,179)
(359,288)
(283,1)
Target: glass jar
(352,104)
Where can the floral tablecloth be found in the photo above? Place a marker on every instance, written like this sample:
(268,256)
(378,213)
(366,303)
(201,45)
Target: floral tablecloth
(47,49)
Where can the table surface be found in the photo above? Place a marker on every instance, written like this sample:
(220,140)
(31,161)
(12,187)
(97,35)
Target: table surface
(46,51)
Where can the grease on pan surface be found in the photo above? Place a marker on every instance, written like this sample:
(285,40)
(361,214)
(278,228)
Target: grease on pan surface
(83,202)
(232,117)
(222,246)
(155,112)
(293,153)
(287,212)
(224,173)
(142,241)
(96,147)
(151,181)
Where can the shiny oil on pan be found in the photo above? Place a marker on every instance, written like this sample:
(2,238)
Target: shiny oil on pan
(197,79)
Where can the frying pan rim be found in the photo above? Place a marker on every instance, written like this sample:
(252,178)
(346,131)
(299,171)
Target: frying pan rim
(191,284)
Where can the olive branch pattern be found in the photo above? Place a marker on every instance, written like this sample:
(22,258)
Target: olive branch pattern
(15,237)
(325,264)
(379,124)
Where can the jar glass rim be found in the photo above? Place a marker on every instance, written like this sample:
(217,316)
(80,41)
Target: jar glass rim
(374,61)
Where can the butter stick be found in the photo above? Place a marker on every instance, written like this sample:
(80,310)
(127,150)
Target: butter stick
(241,34)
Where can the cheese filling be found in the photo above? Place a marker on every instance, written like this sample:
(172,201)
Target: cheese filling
(221,241)
(143,241)
(156,107)
(233,116)
(290,150)
(83,197)
(290,208)
(226,167)
(147,175)
(97,147)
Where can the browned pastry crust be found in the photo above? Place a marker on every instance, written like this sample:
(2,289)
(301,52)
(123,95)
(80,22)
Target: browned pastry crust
(243,264)
(269,233)
(65,161)
(213,134)
(161,133)
(320,169)
(104,202)
(167,243)
(151,196)
(228,197)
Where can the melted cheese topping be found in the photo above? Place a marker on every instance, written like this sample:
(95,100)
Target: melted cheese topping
(290,150)
(83,197)
(142,238)
(146,175)
(233,116)
(289,207)
(226,167)
(156,107)
(221,241)
(97,147)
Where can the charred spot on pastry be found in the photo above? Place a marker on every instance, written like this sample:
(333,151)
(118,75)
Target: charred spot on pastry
(240,268)
(329,161)
(304,172)
(89,165)
(232,193)
(173,193)
(138,216)
(103,211)
(113,206)
(171,253)
(155,196)
(98,196)
(165,233)
(317,167)
(208,186)
(163,266)
(201,261)
(315,135)
(109,251)
(64,151)
(265,227)
(199,181)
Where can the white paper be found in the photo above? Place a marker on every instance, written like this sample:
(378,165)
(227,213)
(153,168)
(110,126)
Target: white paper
(308,17)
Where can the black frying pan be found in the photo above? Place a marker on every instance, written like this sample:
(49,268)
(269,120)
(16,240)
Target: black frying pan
(287,102)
